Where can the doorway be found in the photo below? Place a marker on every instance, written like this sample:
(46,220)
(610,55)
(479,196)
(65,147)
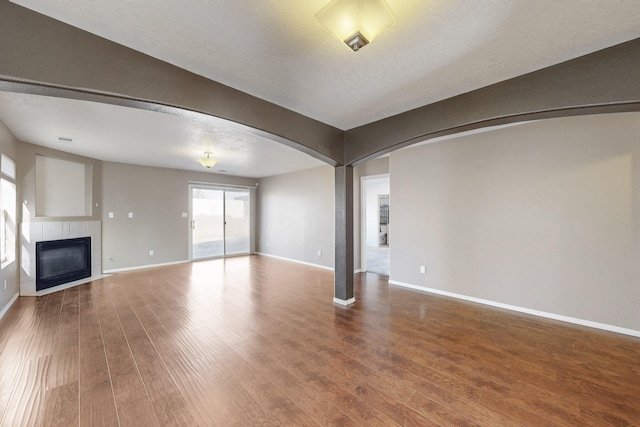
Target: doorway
(376,226)
(220,221)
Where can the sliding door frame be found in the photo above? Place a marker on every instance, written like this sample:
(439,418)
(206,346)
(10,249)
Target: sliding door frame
(224,188)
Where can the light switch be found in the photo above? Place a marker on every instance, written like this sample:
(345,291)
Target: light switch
(184,215)
(130,214)
(110,214)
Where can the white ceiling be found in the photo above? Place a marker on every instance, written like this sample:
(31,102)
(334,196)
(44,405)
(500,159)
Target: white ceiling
(130,135)
(275,50)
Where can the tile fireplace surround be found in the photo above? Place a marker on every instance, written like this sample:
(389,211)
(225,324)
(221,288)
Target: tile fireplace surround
(43,231)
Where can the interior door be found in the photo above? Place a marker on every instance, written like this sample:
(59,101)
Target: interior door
(220,222)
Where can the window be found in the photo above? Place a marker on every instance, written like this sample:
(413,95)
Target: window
(8,167)
(7,210)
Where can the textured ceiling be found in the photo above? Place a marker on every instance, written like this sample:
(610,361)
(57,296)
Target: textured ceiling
(274,49)
(129,135)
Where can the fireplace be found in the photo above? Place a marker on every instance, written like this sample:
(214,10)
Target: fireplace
(62,261)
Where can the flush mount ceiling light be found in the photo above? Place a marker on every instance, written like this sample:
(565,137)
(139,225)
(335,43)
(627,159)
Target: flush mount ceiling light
(356,22)
(207,162)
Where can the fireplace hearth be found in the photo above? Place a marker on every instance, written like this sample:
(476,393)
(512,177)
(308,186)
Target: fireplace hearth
(62,261)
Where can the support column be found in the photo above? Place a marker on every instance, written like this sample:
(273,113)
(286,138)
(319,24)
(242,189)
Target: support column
(343,293)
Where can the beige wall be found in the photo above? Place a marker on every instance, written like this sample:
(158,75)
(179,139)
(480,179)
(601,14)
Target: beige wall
(157,197)
(296,216)
(9,273)
(544,215)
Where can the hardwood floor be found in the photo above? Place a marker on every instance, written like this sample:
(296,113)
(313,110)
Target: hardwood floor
(258,341)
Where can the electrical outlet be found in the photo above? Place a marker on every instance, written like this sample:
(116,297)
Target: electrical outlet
(110,214)
(130,214)
(151,252)
(423,269)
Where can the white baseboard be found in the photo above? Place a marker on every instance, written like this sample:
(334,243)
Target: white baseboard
(324,267)
(142,267)
(344,302)
(9,304)
(560,317)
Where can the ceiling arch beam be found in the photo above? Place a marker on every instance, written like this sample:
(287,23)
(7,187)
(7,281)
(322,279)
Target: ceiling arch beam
(40,55)
(43,56)
(605,81)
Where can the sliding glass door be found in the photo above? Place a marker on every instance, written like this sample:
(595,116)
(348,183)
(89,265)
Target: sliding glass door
(237,224)
(220,222)
(207,223)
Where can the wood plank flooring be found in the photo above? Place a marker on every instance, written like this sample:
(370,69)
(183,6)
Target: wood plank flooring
(258,341)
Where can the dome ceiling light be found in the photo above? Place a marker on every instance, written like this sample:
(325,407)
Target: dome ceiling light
(356,22)
(207,162)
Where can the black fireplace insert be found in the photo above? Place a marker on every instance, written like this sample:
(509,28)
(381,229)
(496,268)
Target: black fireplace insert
(62,261)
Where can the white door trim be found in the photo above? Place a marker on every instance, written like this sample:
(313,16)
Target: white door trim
(363,217)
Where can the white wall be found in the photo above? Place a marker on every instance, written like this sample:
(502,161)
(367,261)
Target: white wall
(296,216)
(543,215)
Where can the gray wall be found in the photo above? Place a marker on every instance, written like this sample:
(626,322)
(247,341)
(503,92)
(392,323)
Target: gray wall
(157,197)
(9,146)
(27,182)
(308,224)
(545,216)
(296,216)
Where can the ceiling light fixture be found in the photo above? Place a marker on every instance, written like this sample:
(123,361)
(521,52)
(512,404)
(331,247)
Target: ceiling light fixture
(356,22)
(207,162)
